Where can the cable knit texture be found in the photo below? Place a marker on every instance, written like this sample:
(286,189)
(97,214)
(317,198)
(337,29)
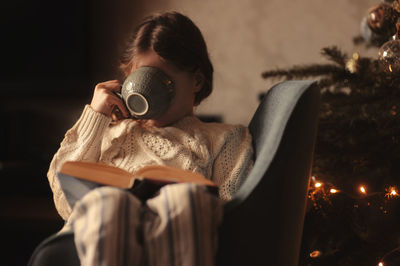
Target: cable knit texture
(220,152)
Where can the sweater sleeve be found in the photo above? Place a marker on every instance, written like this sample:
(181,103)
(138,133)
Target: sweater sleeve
(81,143)
(234,162)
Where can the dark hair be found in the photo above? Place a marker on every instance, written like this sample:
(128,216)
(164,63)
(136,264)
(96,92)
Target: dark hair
(178,40)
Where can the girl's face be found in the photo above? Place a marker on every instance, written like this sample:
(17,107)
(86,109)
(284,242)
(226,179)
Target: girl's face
(186,85)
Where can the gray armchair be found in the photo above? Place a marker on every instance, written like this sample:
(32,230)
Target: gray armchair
(264,221)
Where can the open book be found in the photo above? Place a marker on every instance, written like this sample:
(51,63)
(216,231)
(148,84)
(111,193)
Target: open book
(78,178)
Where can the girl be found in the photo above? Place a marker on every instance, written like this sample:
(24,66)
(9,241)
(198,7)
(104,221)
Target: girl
(179,225)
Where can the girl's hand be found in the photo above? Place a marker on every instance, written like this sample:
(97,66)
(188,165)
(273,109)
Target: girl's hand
(105,101)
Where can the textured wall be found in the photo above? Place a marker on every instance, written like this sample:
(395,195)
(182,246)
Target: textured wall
(250,36)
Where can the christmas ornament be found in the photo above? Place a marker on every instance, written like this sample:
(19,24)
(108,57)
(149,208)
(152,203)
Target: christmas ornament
(369,36)
(389,55)
(387,1)
(381,19)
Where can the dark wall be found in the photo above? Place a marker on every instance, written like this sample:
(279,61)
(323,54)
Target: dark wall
(52,55)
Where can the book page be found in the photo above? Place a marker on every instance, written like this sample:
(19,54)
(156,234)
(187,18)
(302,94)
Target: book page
(98,172)
(114,176)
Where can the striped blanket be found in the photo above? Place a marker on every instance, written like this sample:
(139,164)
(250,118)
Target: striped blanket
(179,226)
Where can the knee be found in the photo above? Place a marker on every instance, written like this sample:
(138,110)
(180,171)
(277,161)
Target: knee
(106,201)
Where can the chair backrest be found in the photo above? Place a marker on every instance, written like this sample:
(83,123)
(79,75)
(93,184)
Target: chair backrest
(263,223)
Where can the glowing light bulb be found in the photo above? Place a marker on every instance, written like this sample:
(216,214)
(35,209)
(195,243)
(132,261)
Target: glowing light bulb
(392,192)
(318,184)
(363,190)
(315,254)
(380,264)
(333,191)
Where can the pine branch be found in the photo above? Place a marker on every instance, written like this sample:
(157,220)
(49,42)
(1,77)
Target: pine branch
(334,54)
(298,72)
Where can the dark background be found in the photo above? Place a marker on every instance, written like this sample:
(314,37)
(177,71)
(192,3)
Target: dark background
(52,55)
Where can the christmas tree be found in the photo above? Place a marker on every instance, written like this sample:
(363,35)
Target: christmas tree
(354,212)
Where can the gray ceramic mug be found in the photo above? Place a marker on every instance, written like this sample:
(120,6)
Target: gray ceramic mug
(147,92)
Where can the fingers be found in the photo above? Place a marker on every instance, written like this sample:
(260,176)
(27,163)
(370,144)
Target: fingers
(122,108)
(117,102)
(112,85)
(117,115)
(104,100)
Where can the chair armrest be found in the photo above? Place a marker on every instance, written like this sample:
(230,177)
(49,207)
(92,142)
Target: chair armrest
(263,223)
(268,125)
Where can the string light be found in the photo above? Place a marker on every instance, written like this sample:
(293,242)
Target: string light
(318,187)
(315,254)
(391,192)
(321,193)
(333,191)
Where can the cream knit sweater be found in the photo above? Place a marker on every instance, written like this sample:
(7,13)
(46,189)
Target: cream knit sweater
(220,152)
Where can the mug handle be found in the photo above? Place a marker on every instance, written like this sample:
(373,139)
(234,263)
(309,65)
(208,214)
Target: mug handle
(116,113)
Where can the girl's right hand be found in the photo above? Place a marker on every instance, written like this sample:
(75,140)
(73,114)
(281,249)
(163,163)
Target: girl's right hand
(105,101)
